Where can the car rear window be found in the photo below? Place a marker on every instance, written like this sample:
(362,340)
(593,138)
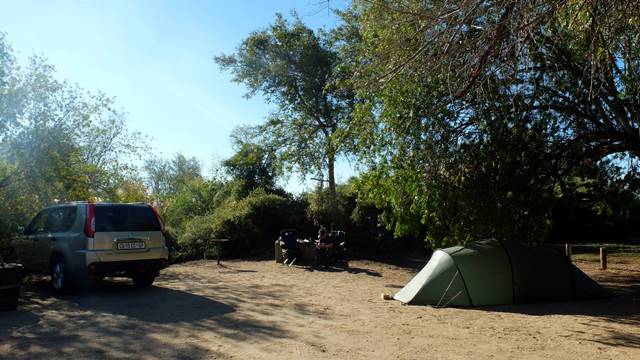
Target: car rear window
(110,218)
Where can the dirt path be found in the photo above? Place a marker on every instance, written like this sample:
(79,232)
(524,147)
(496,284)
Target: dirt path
(258,310)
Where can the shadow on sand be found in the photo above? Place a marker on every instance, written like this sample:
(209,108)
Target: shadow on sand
(14,319)
(344,267)
(155,304)
(602,315)
(118,320)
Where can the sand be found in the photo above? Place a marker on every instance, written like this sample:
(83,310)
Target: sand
(263,310)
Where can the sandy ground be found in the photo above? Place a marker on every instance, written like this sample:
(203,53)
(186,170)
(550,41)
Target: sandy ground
(262,310)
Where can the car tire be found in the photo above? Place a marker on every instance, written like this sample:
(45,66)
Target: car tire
(60,276)
(143,280)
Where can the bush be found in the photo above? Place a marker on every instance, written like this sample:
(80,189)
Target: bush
(7,251)
(252,224)
(320,211)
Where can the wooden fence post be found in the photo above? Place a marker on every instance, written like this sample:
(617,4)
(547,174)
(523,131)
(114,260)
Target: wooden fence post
(278,247)
(603,258)
(567,250)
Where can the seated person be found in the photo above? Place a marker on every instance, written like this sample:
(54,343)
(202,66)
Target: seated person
(324,247)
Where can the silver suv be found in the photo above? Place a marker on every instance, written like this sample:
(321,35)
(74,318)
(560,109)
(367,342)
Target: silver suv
(77,242)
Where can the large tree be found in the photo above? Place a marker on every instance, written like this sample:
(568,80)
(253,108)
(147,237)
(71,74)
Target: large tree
(8,87)
(296,69)
(253,167)
(59,142)
(167,177)
(473,115)
(575,60)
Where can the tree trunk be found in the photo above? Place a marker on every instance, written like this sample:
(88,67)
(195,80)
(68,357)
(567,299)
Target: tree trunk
(333,195)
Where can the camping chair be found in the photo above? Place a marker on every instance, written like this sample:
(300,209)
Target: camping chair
(341,245)
(338,238)
(289,244)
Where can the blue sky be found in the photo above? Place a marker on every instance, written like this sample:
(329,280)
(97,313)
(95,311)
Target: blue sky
(155,58)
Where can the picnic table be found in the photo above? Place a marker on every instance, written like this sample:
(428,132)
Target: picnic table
(218,241)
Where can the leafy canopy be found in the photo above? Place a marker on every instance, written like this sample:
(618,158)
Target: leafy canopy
(473,116)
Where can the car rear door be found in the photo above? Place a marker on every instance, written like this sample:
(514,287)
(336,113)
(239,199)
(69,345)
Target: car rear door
(126,230)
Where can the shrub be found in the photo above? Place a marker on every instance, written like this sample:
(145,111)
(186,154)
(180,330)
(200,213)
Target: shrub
(252,224)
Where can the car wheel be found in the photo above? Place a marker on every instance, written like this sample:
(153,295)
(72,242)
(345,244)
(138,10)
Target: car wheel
(60,277)
(143,280)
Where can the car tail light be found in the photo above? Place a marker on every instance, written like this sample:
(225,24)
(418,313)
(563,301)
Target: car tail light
(155,211)
(90,221)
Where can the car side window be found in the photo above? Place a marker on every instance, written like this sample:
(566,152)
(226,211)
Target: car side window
(69,217)
(60,219)
(37,224)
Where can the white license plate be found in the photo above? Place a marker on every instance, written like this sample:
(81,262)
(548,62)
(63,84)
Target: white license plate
(130,245)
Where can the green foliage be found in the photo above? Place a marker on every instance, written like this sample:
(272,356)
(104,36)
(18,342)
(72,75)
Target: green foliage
(128,189)
(198,198)
(58,143)
(9,93)
(182,194)
(320,212)
(598,204)
(296,69)
(253,167)
(167,177)
(514,120)
(469,121)
(252,224)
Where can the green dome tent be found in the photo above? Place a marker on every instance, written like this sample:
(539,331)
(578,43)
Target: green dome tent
(491,272)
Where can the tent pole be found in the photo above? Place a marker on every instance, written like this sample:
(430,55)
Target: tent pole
(453,298)
(447,289)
